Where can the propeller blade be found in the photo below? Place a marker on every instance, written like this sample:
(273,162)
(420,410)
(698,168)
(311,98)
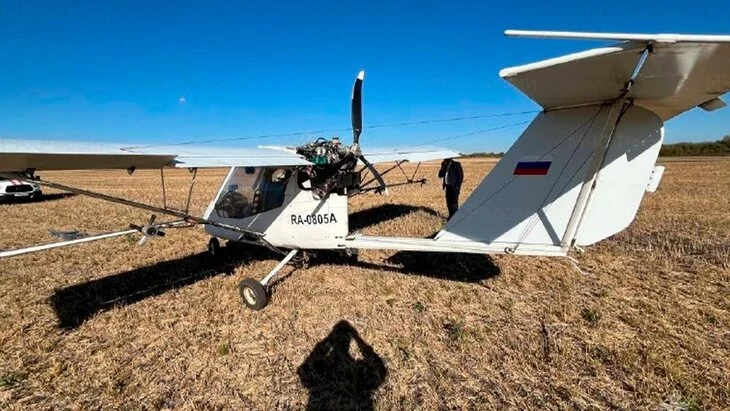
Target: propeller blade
(357,108)
(152,219)
(143,240)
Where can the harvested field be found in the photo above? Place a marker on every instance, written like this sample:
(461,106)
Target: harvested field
(645,324)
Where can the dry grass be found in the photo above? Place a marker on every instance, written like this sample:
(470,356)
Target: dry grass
(109,325)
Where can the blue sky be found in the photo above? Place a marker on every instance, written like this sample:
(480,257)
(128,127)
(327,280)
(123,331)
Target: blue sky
(116,71)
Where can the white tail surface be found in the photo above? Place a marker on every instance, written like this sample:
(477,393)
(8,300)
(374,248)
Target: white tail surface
(623,178)
(529,198)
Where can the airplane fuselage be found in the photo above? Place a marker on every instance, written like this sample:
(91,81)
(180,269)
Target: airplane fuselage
(268,200)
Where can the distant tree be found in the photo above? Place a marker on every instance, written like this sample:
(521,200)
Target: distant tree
(709,148)
(483,155)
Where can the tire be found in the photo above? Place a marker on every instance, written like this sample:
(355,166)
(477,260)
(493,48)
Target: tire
(351,255)
(214,247)
(253,294)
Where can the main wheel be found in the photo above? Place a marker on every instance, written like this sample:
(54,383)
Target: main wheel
(253,294)
(214,247)
(350,255)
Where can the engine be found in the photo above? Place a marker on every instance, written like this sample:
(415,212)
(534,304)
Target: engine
(333,168)
(333,163)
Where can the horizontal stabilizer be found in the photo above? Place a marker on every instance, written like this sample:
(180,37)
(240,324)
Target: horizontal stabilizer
(675,77)
(659,38)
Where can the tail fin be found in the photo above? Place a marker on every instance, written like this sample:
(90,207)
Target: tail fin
(530,200)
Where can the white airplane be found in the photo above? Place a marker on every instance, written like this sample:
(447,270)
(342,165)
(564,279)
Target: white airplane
(575,176)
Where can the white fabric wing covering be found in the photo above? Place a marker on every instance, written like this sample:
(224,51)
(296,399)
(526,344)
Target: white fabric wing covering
(675,78)
(415,154)
(20,155)
(250,157)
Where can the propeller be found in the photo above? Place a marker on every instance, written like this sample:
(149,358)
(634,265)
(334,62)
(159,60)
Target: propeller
(357,108)
(148,230)
(357,130)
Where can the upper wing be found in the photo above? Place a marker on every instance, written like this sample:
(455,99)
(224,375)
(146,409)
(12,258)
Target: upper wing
(415,154)
(677,76)
(21,155)
(201,157)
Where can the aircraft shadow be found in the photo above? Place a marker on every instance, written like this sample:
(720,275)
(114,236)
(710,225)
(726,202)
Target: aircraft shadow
(468,268)
(372,216)
(45,198)
(336,380)
(77,303)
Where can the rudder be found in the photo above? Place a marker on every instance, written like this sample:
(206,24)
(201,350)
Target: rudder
(530,196)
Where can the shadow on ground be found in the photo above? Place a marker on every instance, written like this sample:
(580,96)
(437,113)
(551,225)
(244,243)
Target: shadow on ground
(449,266)
(468,268)
(372,216)
(336,380)
(75,304)
(43,199)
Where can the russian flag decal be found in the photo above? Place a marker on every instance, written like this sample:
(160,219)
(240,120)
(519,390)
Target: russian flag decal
(532,168)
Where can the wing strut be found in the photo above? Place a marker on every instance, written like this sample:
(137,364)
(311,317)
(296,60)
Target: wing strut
(249,235)
(190,190)
(377,176)
(383,186)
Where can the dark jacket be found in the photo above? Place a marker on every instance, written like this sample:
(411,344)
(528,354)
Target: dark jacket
(451,174)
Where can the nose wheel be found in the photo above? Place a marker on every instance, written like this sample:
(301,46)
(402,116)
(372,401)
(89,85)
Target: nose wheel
(253,294)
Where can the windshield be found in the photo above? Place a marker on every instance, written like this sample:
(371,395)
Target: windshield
(252,190)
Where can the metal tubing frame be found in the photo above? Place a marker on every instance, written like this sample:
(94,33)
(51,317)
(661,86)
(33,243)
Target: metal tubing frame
(50,246)
(175,213)
(164,192)
(366,190)
(190,190)
(278,267)
(60,244)
(376,174)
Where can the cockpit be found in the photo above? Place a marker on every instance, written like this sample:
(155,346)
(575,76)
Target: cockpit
(252,190)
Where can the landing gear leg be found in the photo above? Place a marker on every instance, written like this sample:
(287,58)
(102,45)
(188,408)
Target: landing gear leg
(214,247)
(253,293)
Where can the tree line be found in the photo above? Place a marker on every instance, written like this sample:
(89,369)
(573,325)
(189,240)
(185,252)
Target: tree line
(706,148)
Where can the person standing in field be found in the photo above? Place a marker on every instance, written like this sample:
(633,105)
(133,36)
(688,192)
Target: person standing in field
(452,175)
